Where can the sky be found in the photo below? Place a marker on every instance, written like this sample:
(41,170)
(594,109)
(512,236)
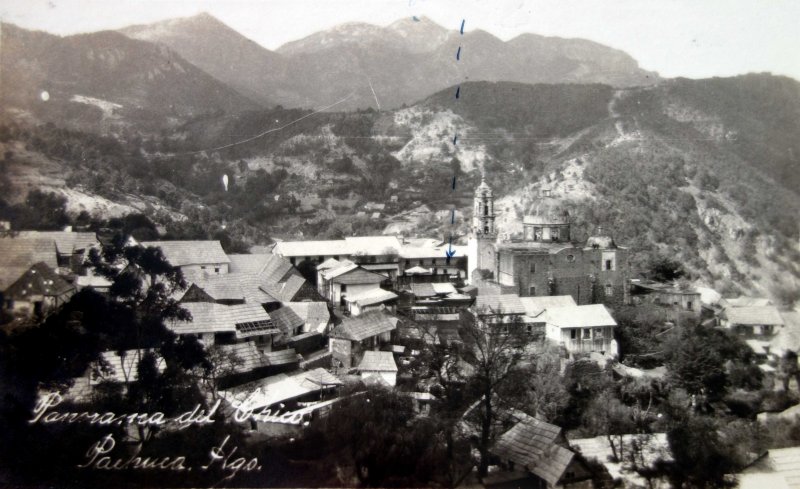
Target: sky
(690,38)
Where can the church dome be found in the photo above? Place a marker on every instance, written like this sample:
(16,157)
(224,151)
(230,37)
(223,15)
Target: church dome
(546,214)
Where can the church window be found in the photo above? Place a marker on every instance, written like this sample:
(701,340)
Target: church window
(485,209)
(486,229)
(608,264)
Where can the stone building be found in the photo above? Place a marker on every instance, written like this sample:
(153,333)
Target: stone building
(546,260)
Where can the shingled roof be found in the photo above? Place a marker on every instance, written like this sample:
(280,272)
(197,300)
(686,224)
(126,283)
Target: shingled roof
(24,252)
(364,326)
(38,280)
(67,242)
(279,388)
(753,315)
(499,304)
(251,358)
(315,314)
(182,253)
(286,319)
(209,317)
(377,361)
(531,444)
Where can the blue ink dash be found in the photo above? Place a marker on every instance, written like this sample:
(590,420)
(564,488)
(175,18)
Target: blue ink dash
(455,139)
(462,26)
(458,92)
(453,216)
(454,182)
(458,54)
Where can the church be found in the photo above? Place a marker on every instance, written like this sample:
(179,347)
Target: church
(545,260)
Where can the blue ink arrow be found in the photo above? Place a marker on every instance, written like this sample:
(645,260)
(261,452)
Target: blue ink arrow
(455,139)
(450,251)
(458,53)
(462,26)
(458,92)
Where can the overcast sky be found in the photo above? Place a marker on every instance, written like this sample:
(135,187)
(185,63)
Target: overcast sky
(692,38)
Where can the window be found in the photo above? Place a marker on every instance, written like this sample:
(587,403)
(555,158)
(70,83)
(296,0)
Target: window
(554,234)
(587,333)
(532,290)
(533,267)
(573,334)
(609,265)
(609,290)
(570,258)
(421,262)
(537,234)
(344,288)
(598,332)
(689,305)
(216,269)
(485,209)
(408,263)
(202,267)
(486,229)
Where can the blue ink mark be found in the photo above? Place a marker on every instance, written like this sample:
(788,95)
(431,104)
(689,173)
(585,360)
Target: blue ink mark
(462,26)
(454,182)
(458,92)
(450,251)
(458,54)
(455,139)
(416,19)
(453,216)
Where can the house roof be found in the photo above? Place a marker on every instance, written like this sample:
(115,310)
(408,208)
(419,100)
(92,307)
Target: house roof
(653,447)
(312,248)
(328,264)
(272,268)
(315,314)
(417,270)
(743,301)
(500,304)
(228,286)
(364,326)
(67,242)
(126,368)
(787,337)
(753,315)
(371,297)
(592,315)
(423,290)
(251,358)
(279,388)
(531,444)
(343,266)
(783,463)
(209,317)
(286,319)
(372,245)
(24,252)
(534,306)
(377,361)
(355,275)
(38,280)
(182,253)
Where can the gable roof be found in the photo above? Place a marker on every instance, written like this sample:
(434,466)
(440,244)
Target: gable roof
(499,304)
(24,252)
(182,253)
(531,444)
(66,242)
(209,317)
(335,247)
(377,361)
(315,314)
(356,275)
(251,358)
(744,301)
(364,326)
(753,315)
(534,306)
(371,297)
(279,388)
(39,279)
(328,264)
(592,315)
(286,319)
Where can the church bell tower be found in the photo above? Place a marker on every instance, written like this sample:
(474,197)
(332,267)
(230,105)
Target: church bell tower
(481,252)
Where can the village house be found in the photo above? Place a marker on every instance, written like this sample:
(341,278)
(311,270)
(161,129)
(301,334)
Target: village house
(347,278)
(751,321)
(36,292)
(374,253)
(349,340)
(533,454)
(370,300)
(206,257)
(673,296)
(379,365)
(315,315)
(582,329)
(215,324)
(72,247)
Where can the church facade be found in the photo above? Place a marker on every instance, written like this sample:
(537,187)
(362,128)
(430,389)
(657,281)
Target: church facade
(545,260)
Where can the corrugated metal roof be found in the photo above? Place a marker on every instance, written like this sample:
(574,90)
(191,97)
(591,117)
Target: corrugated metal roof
(364,326)
(377,361)
(182,253)
(592,315)
(753,315)
(499,304)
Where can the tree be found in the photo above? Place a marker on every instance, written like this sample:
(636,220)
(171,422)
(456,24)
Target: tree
(607,415)
(663,269)
(495,350)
